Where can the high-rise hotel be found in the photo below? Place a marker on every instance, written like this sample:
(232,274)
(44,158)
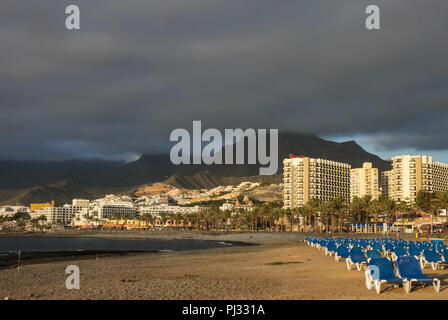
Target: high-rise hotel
(411,174)
(308,178)
(364,181)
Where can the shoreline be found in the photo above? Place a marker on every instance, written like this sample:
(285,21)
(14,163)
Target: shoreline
(226,236)
(273,271)
(238,240)
(249,238)
(10,258)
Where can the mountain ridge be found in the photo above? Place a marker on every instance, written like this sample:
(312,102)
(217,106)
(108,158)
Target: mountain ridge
(150,168)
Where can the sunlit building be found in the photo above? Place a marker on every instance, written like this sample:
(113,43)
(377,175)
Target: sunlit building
(59,215)
(364,181)
(40,206)
(411,174)
(11,211)
(309,178)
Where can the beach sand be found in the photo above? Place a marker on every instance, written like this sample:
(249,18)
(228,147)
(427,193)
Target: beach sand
(279,270)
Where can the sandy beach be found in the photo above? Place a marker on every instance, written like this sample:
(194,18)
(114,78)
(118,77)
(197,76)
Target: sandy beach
(230,236)
(272,270)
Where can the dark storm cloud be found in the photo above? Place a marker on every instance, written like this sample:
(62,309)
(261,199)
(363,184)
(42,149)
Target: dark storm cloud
(138,69)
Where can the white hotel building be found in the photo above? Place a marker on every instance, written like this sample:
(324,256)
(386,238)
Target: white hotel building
(307,178)
(411,174)
(157,210)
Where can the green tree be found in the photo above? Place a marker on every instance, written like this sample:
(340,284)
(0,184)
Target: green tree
(338,207)
(366,203)
(376,209)
(390,207)
(442,198)
(424,200)
(356,208)
(314,206)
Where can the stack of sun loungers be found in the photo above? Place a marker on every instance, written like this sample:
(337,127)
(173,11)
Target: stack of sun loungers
(386,260)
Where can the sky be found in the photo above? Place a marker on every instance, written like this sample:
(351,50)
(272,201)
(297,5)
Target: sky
(139,69)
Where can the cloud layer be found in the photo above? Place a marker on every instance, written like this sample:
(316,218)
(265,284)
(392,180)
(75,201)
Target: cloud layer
(139,69)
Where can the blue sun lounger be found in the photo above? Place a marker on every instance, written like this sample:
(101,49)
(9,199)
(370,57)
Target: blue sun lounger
(330,249)
(341,252)
(399,252)
(414,251)
(388,247)
(445,256)
(380,271)
(376,246)
(409,270)
(438,245)
(373,254)
(430,257)
(356,257)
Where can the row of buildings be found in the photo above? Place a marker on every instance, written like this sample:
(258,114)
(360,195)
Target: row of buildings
(83,211)
(158,191)
(156,201)
(308,178)
(11,211)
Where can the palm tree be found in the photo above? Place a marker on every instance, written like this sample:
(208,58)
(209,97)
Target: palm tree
(434,208)
(314,206)
(276,214)
(271,216)
(164,216)
(366,202)
(34,222)
(325,212)
(442,198)
(227,215)
(21,222)
(148,218)
(423,200)
(301,218)
(254,214)
(295,212)
(208,218)
(193,220)
(390,207)
(376,209)
(337,206)
(355,209)
(235,219)
(287,214)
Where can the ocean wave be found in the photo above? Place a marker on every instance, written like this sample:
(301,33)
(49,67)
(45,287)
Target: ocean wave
(224,243)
